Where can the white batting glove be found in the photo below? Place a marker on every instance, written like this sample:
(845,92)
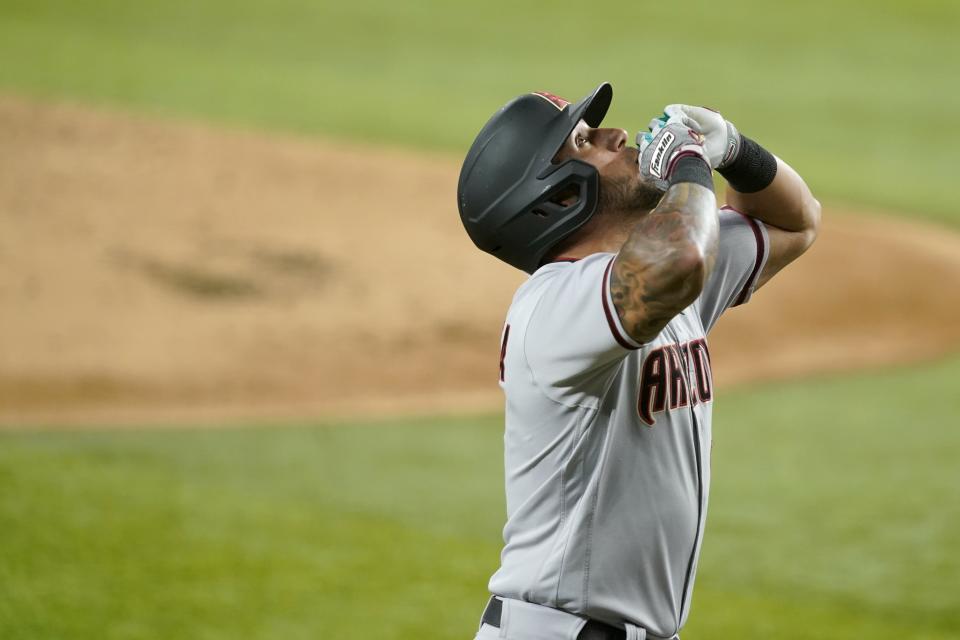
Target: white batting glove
(722,140)
(662,146)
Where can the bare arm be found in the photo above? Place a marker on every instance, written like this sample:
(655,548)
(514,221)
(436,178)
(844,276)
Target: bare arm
(789,210)
(661,268)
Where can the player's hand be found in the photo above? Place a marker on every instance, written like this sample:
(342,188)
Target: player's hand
(722,142)
(663,145)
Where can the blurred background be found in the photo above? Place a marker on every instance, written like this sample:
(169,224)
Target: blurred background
(248,356)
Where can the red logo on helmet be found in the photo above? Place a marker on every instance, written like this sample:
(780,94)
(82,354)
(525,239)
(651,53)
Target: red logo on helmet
(556,101)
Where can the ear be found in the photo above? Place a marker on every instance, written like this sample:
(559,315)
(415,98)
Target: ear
(567,196)
(558,203)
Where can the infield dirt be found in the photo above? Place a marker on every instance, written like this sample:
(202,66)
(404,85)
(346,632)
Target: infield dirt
(156,272)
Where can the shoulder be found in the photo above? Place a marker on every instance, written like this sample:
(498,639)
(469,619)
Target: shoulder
(574,270)
(555,277)
(569,300)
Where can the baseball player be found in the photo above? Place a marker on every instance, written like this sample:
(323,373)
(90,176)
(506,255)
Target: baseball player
(604,361)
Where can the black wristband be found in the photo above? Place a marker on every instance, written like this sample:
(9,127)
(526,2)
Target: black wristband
(692,169)
(753,170)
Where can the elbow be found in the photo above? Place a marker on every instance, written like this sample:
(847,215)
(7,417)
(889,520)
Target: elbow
(688,272)
(811,218)
(648,292)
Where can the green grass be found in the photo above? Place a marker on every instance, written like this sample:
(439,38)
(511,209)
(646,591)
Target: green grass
(834,515)
(859,95)
(332,532)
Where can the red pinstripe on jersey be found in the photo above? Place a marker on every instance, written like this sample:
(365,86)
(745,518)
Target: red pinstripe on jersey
(503,350)
(613,320)
(758,235)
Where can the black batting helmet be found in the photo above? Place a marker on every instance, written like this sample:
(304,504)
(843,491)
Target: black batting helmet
(508,179)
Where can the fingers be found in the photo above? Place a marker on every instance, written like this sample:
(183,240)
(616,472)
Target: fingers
(673,113)
(673,110)
(701,121)
(693,124)
(707,117)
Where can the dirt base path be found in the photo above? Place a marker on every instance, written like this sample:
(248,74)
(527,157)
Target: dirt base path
(156,272)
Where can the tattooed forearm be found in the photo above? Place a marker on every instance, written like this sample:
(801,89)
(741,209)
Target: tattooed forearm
(662,266)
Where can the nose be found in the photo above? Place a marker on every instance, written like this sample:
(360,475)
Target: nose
(614,139)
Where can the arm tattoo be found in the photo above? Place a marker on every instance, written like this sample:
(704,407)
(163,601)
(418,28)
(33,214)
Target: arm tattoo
(662,266)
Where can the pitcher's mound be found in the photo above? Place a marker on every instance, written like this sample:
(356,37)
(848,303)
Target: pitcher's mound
(154,271)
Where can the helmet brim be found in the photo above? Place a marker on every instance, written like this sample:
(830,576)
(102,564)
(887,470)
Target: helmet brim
(591,110)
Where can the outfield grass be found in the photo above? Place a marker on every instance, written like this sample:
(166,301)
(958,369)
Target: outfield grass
(859,95)
(837,521)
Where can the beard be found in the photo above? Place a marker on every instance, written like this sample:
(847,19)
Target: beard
(624,196)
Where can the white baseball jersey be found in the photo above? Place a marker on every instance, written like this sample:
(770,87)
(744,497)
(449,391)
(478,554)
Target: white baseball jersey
(607,443)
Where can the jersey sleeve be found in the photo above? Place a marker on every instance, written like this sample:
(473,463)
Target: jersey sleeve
(741,254)
(574,340)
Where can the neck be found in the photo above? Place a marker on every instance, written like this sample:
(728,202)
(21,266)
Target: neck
(606,238)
